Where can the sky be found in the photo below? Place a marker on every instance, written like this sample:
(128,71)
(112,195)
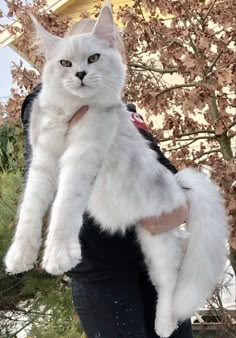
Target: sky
(7,56)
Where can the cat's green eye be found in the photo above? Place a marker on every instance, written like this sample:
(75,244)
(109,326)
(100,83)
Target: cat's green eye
(66,63)
(93,58)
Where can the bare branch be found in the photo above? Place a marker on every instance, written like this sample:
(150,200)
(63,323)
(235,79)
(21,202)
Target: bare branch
(187,13)
(217,57)
(207,153)
(208,12)
(21,329)
(195,49)
(197,138)
(189,17)
(217,32)
(231,125)
(141,11)
(215,60)
(41,313)
(232,135)
(153,69)
(192,140)
(193,84)
(187,134)
(11,287)
(181,147)
(173,40)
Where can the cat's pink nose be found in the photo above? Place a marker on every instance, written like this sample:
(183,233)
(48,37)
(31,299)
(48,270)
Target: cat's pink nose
(81,75)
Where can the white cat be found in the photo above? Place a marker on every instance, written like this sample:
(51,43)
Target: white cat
(104,165)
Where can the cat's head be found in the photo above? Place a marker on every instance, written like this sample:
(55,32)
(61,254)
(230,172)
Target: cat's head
(89,65)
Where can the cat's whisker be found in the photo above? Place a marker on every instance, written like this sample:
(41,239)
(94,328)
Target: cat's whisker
(109,91)
(119,82)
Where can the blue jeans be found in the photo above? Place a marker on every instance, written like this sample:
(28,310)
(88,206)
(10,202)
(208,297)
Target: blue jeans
(119,307)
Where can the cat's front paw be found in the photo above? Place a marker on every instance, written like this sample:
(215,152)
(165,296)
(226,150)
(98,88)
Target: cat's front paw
(61,256)
(165,326)
(21,256)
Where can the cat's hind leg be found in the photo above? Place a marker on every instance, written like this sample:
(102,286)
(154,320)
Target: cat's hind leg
(162,254)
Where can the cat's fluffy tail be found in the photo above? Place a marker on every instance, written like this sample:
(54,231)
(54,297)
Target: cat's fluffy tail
(206,251)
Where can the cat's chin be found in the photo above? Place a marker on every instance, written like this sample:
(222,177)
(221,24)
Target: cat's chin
(83,92)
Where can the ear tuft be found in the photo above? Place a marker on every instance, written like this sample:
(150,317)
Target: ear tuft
(44,40)
(104,28)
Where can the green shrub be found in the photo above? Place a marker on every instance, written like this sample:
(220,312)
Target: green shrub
(33,301)
(11,147)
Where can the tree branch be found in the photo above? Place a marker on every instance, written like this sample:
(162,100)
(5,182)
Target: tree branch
(198,138)
(141,11)
(208,12)
(192,140)
(232,135)
(194,84)
(231,125)
(213,107)
(153,69)
(195,49)
(215,60)
(207,153)
(21,329)
(173,40)
(11,287)
(181,147)
(32,312)
(216,33)
(218,56)
(187,13)
(187,134)
(189,17)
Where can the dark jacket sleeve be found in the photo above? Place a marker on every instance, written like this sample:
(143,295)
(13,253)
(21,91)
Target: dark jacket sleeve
(148,136)
(161,157)
(25,118)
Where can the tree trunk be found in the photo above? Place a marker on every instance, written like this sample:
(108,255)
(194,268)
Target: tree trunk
(227,153)
(233,259)
(225,146)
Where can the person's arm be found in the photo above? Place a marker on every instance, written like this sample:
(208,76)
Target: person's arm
(166,221)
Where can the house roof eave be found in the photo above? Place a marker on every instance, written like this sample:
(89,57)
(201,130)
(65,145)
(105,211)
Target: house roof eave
(6,38)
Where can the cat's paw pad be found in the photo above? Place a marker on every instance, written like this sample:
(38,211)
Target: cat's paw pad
(21,256)
(61,256)
(165,326)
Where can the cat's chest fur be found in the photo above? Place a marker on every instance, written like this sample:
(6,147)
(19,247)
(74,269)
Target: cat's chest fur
(123,191)
(131,183)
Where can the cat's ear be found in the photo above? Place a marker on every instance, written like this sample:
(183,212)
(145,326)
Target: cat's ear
(104,28)
(45,41)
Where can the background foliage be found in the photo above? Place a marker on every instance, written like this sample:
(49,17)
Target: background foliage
(181,68)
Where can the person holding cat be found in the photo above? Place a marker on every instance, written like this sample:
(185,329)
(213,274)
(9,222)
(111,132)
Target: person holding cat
(111,289)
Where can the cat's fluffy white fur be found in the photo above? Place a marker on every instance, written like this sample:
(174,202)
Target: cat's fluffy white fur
(104,165)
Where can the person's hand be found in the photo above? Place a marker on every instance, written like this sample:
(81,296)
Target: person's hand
(77,116)
(166,222)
